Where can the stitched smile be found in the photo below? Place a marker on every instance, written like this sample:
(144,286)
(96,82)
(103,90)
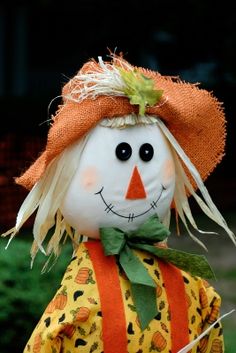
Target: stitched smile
(131,216)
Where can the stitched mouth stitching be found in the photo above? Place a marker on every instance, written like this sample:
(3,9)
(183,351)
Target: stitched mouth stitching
(131,216)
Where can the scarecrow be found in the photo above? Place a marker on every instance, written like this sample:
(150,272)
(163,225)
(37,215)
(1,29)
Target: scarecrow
(125,150)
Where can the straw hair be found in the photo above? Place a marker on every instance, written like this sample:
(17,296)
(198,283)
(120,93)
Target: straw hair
(193,115)
(46,196)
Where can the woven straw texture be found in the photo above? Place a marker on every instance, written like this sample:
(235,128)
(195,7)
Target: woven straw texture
(193,115)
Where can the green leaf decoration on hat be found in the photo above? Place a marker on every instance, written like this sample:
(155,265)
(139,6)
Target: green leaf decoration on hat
(140,89)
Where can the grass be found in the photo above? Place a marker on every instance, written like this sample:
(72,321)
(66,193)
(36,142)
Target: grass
(24,292)
(230,339)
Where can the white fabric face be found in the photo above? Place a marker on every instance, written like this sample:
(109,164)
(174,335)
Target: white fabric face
(98,194)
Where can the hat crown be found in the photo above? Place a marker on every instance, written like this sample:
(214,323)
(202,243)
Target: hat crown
(193,115)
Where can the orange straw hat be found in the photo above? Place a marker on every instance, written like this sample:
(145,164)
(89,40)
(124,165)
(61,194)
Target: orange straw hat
(193,115)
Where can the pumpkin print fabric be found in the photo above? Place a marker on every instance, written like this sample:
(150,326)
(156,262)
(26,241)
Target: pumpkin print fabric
(72,321)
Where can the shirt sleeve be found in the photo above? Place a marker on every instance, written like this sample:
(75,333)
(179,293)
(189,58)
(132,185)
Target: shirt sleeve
(43,340)
(72,319)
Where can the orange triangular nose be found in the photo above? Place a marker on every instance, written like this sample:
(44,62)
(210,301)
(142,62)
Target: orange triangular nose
(136,188)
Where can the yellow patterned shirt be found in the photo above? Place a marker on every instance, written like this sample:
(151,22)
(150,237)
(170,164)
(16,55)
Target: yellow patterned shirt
(72,321)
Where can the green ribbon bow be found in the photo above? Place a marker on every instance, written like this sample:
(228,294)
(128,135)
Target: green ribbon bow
(143,288)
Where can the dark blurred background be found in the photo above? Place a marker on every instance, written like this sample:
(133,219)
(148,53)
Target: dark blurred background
(43,43)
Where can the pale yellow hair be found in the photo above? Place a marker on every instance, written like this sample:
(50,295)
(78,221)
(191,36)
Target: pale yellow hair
(46,196)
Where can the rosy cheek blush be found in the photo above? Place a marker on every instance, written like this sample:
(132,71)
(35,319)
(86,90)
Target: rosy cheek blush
(90,178)
(168,171)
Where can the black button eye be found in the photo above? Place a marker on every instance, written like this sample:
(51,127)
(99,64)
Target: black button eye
(123,151)
(146,152)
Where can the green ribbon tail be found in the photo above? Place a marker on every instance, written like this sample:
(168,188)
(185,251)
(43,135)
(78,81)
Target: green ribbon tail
(144,298)
(142,286)
(197,265)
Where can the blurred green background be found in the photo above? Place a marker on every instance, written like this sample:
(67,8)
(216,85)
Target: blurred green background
(221,256)
(25,292)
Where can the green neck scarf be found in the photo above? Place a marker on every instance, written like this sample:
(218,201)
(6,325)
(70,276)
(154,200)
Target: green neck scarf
(143,288)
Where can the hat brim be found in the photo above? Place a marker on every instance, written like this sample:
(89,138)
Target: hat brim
(193,115)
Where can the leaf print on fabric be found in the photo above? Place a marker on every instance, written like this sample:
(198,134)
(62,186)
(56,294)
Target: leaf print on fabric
(193,319)
(81,331)
(93,347)
(164,327)
(69,269)
(168,315)
(132,307)
(162,305)
(92,301)
(86,253)
(93,328)
(193,294)
(80,261)
(141,339)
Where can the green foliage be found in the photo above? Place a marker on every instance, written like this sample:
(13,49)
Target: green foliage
(24,292)
(140,89)
(230,341)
